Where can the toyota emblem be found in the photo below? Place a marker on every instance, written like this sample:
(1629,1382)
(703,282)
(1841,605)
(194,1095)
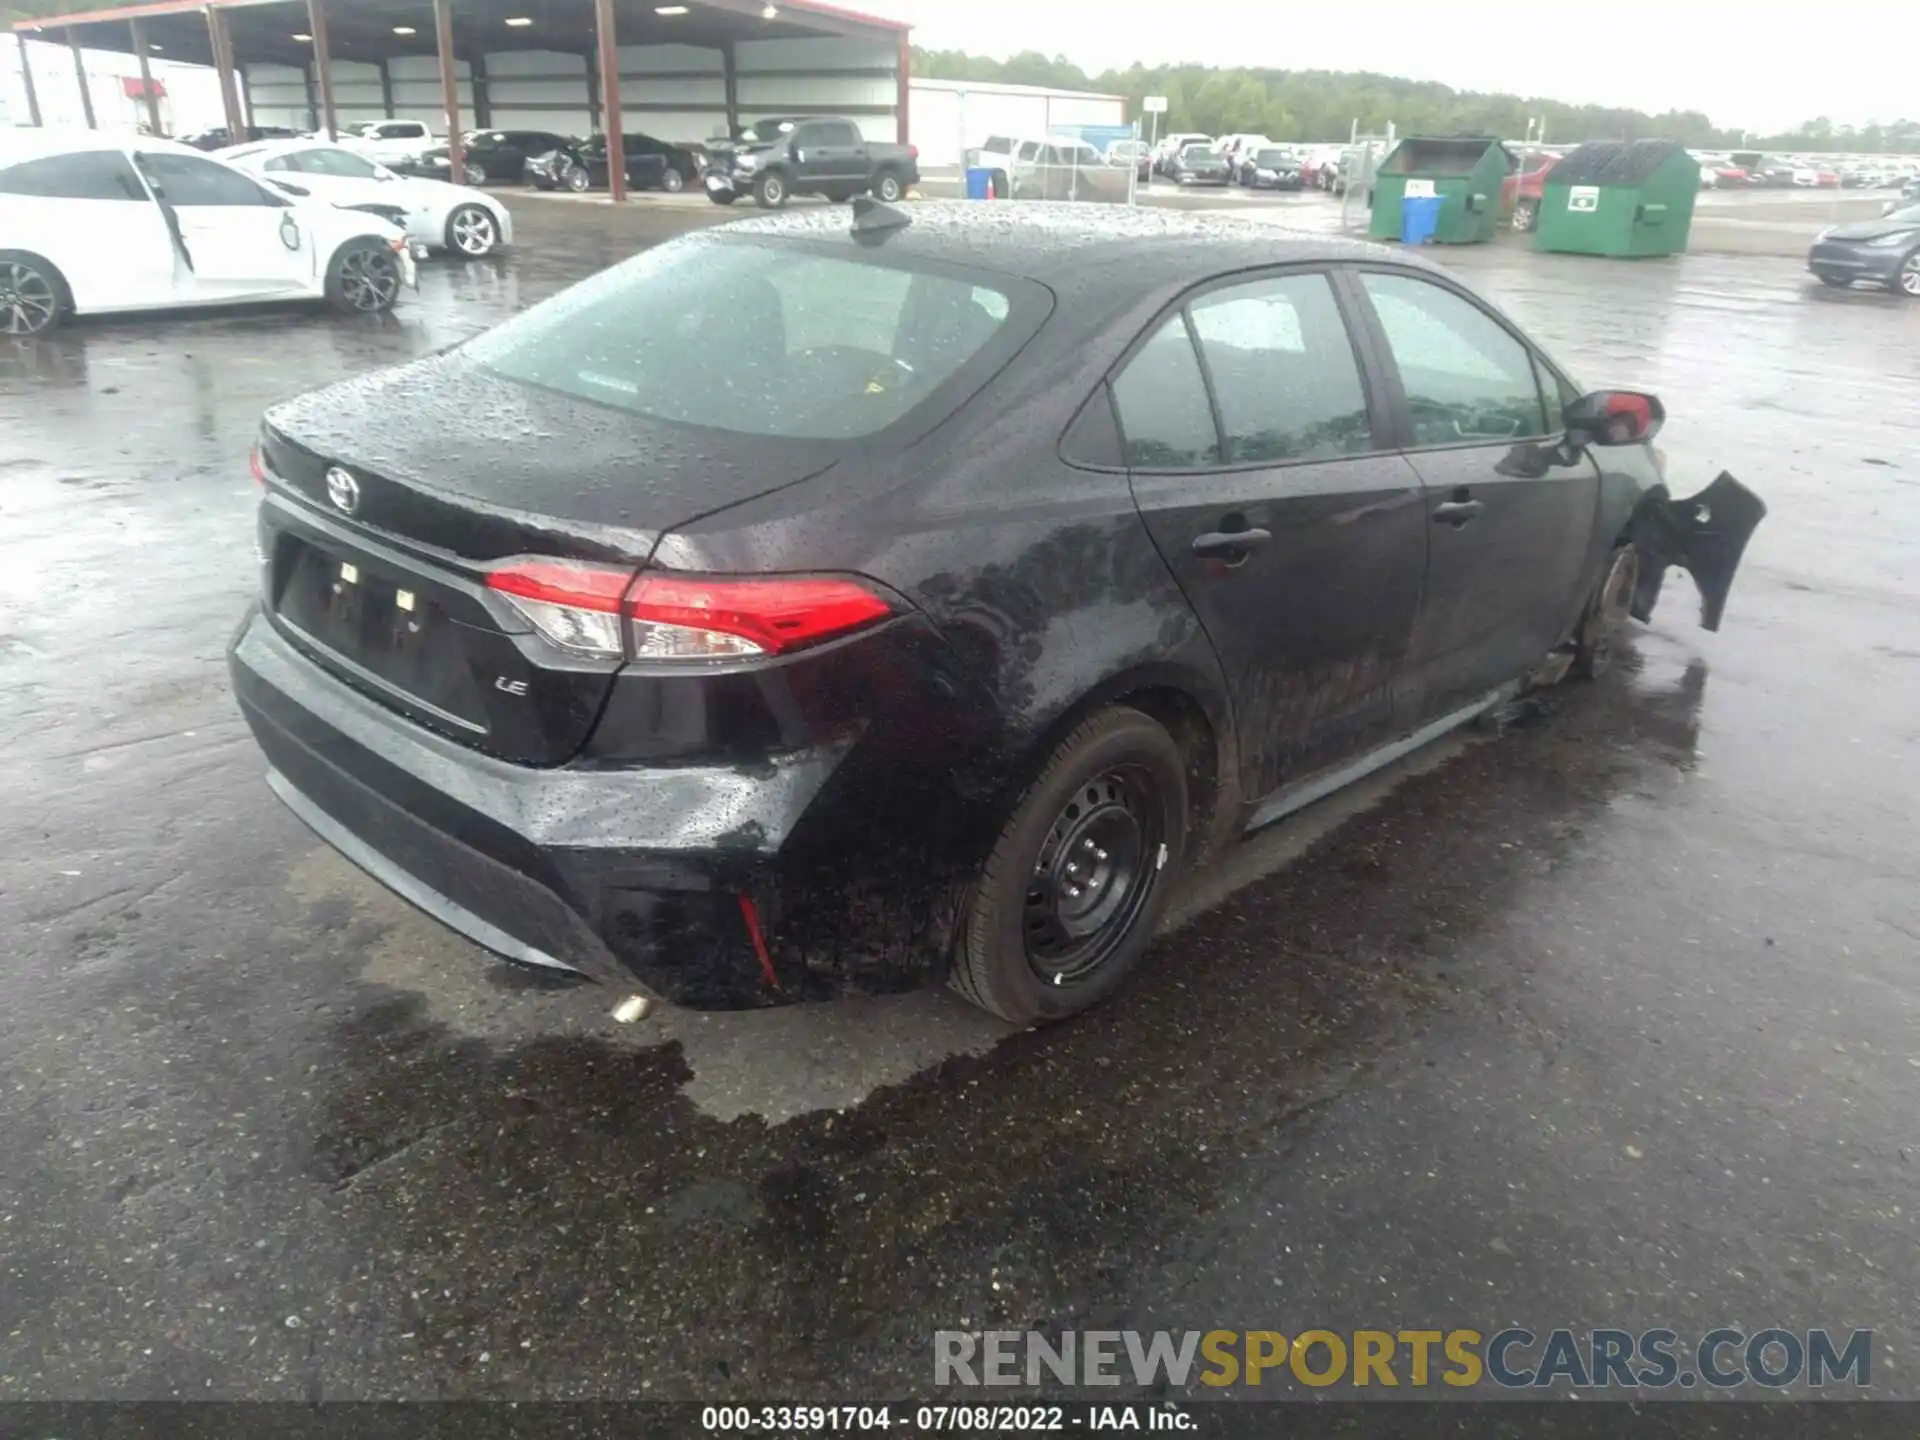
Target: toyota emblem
(343,490)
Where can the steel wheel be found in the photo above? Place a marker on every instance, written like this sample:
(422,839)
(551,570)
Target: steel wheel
(473,231)
(578,181)
(673,182)
(887,187)
(474,174)
(29,299)
(1095,872)
(1910,276)
(369,279)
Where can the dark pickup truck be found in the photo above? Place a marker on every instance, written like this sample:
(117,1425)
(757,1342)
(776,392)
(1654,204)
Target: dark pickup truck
(808,155)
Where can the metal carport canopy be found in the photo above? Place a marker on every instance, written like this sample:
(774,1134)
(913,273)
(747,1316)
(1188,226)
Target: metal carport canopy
(232,34)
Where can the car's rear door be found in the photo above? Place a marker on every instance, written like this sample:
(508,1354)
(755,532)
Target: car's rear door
(238,239)
(1510,513)
(1260,465)
(88,213)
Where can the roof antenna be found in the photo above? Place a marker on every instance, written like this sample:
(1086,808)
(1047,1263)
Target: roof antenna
(874,220)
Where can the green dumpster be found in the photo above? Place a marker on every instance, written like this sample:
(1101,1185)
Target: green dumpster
(1465,172)
(1614,197)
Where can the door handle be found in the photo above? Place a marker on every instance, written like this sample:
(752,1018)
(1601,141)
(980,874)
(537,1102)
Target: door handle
(1226,544)
(1456,512)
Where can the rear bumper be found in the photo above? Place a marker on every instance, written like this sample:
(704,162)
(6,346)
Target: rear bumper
(631,876)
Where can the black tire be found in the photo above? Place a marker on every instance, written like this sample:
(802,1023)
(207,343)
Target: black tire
(770,190)
(34,297)
(1606,614)
(887,186)
(363,278)
(839,195)
(672,181)
(1526,215)
(1028,952)
(1907,282)
(722,197)
(542,183)
(472,232)
(474,174)
(578,180)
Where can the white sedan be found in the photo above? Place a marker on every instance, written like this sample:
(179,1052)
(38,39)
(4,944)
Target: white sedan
(435,214)
(95,223)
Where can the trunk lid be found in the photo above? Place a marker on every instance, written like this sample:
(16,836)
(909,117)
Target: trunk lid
(393,495)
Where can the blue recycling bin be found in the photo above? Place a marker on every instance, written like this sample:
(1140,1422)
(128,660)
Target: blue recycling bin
(1419,219)
(979,182)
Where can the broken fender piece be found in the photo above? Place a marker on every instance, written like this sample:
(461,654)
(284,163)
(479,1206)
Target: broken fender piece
(1705,535)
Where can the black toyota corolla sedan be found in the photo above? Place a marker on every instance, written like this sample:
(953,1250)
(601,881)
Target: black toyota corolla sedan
(826,603)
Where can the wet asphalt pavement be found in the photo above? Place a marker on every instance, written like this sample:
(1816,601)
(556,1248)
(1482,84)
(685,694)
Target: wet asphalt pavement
(1611,1019)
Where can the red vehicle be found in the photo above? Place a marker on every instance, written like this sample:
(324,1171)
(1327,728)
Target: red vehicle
(1727,177)
(1521,193)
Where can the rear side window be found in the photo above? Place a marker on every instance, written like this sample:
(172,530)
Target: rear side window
(1283,371)
(762,339)
(1165,420)
(89,175)
(1467,378)
(343,164)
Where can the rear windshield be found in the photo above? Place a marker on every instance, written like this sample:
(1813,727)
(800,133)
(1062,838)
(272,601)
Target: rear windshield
(763,338)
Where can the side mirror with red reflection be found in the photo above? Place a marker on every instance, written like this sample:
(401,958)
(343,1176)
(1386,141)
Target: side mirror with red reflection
(1614,417)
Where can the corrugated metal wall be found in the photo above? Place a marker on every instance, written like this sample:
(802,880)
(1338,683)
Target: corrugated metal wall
(677,92)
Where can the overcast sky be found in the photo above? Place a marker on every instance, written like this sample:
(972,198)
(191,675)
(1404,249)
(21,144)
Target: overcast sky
(1734,61)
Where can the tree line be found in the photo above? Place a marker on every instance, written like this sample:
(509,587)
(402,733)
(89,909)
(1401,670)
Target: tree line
(1322,105)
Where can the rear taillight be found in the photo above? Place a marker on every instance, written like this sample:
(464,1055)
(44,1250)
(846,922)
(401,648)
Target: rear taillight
(576,607)
(258,465)
(675,616)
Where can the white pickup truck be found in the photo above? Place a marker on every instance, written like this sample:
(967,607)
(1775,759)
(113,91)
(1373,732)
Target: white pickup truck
(391,142)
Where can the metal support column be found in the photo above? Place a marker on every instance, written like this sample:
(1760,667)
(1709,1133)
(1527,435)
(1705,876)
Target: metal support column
(592,59)
(222,45)
(80,74)
(323,67)
(139,32)
(482,99)
(904,102)
(313,96)
(26,81)
(607,44)
(730,67)
(449,87)
(386,89)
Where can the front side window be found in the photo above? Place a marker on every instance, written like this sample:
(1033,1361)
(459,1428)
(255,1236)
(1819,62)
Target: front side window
(88,175)
(758,338)
(1029,150)
(187,180)
(1283,371)
(1166,422)
(1467,378)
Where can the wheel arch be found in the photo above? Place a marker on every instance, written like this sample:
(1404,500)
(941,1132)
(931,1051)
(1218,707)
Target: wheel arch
(1198,717)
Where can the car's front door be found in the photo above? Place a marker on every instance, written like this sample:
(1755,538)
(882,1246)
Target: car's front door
(827,152)
(237,238)
(1510,511)
(1298,536)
